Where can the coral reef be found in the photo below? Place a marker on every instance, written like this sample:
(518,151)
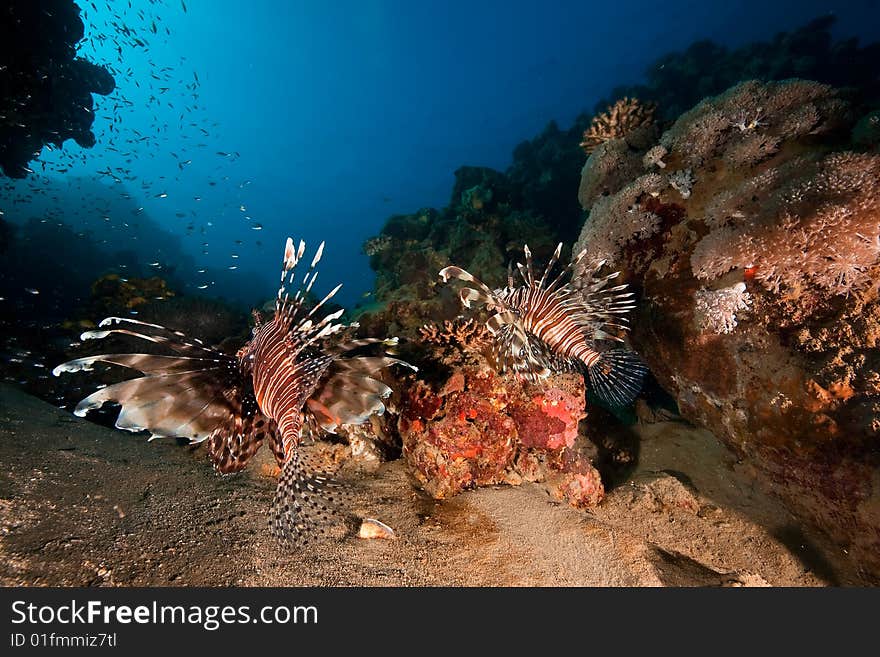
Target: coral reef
(543,173)
(457,339)
(45,89)
(759,303)
(476,428)
(462,425)
(818,230)
(715,310)
(622,119)
(618,219)
(113,294)
(376,245)
(483,227)
(489,216)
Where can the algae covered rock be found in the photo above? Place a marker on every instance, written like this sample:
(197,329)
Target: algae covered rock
(479,429)
(759,285)
(462,425)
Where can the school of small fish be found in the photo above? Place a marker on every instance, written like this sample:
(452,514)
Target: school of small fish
(302,371)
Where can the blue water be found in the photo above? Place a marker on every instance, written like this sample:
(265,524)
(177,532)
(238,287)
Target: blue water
(319,120)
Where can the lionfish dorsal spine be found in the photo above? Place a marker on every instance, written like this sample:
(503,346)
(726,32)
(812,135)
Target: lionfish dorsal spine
(524,273)
(553,260)
(286,309)
(529,268)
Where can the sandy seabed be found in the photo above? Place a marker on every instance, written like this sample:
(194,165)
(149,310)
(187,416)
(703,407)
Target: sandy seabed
(85,505)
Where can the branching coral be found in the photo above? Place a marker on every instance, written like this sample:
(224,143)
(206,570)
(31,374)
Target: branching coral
(466,334)
(618,220)
(612,165)
(654,157)
(715,310)
(683,182)
(735,204)
(822,230)
(751,150)
(703,134)
(620,119)
(748,122)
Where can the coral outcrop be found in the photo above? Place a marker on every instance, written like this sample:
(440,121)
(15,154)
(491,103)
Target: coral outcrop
(462,425)
(483,227)
(45,89)
(755,251)
(626,117)
(476,428)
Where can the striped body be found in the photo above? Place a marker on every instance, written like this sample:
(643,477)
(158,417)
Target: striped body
(552,317)
(547,325)
(281,382)
(294,370)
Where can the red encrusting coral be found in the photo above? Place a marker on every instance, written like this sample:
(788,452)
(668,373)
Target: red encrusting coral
(478,428)
(548,420)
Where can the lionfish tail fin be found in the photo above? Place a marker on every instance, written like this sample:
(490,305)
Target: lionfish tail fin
(616,377)
(308,503)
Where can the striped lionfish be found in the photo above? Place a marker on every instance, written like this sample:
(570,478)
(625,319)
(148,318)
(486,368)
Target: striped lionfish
(551,325)
(297,368)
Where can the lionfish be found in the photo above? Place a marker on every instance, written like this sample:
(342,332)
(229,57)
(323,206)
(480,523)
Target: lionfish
(552,325)
(297,369)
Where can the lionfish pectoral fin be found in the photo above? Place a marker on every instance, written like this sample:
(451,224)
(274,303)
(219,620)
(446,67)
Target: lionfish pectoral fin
(307,503)
(188,396)
(616,377)
(468,295)
(323,415)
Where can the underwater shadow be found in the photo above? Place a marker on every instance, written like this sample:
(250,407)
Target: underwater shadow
(809,554)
